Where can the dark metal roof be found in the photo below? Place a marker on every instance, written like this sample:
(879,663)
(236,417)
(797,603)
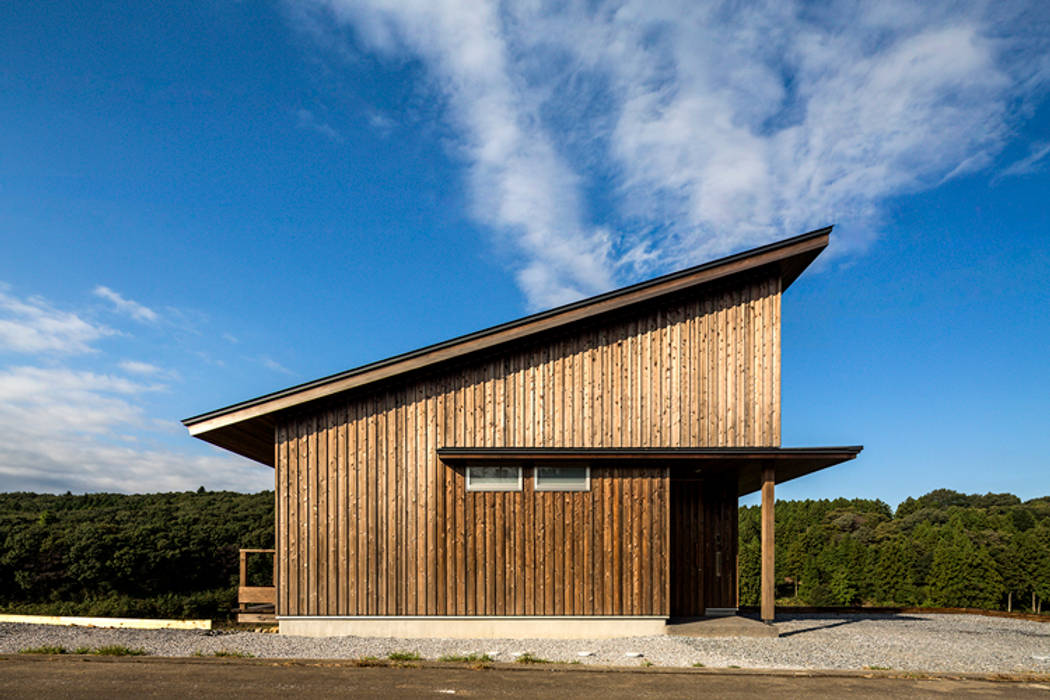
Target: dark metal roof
(516,323)
(247,427)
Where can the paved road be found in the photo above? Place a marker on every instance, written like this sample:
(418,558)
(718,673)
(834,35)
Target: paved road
(86,677)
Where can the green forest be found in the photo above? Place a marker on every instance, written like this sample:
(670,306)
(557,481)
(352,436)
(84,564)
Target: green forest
(175,554)
(945,549)
(170,555)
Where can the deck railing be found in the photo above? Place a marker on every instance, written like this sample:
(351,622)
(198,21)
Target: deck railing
(256,603)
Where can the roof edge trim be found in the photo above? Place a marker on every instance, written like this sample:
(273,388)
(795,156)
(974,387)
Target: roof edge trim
(567,453)
(812,242)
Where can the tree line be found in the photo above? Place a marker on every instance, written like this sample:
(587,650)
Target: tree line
(172,555)
(944,549)
(176,554)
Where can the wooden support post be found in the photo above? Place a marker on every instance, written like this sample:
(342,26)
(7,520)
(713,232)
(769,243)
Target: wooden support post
(244,579)
(768,549)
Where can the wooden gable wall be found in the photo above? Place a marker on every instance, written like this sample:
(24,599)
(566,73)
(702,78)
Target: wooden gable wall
(370,522)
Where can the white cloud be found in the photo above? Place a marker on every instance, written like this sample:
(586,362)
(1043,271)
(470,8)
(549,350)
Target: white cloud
(47,401)
(1036,159)
(89,466)
(126,306)
(70,430)
(272,364)
(32,325)
(715,126)
(305,119)
(382,123)
(65,428)
(144,368)
(520,182)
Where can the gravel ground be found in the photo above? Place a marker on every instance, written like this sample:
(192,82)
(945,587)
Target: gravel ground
(952,643)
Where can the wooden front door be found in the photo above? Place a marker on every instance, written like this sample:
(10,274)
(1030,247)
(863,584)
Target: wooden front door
(720,542)
(703,545)
(687,548)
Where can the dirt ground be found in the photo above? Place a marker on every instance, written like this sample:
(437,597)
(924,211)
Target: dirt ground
(24,676)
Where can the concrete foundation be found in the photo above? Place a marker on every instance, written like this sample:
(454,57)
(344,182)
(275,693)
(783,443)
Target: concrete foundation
(722,626)
(474,627)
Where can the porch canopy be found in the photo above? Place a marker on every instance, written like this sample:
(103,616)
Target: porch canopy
(747,463)
(754,468)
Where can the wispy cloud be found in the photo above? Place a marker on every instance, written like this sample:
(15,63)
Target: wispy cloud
(65,429)
(48,401)
(70,428)
(126,306)
(146,369)
(522,185)
(714,126)
(73,464)
(305,119)
(272,364)
(380,122)
(1035,161)
(32,325)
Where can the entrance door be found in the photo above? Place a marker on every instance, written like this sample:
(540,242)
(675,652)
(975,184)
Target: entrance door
(703,545)
(720,543)
(687,540)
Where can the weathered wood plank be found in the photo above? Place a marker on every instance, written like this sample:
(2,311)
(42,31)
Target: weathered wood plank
(370,522)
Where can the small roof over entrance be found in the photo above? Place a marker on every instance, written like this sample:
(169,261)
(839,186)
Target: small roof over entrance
(746,462)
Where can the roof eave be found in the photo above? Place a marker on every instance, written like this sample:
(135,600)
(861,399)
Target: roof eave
(791,256)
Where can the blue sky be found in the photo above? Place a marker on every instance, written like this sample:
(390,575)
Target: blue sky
(204,202)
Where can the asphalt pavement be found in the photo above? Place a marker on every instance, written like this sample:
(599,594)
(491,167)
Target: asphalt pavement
(68,676)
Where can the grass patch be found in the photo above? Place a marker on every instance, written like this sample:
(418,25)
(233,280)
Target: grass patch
(208,604)
(233,654)
(878,668)
(466,658)
(528,658)
(647,663)
(697,664)
(369,661)
(111,650)
(732,666)
(404,656)
(46,649)
(119,650)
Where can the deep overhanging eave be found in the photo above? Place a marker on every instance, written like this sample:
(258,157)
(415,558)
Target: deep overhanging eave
(254,438)
(745,464)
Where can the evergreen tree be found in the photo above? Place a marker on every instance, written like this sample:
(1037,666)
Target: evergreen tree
(963,574)
(891,574)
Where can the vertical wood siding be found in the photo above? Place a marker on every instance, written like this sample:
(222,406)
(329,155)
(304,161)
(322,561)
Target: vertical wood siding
(370,522)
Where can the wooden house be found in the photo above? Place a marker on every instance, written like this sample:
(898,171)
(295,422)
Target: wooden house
(572,473)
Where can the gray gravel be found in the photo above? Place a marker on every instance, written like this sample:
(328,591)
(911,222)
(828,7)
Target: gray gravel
(952,643)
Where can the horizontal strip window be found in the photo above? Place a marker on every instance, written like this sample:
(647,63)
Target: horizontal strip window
(563,478)
(491,478)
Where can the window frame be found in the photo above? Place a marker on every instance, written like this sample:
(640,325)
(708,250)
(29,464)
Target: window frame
(498,489)
(536,479)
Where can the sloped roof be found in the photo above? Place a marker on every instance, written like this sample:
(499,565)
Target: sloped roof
(247,428)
